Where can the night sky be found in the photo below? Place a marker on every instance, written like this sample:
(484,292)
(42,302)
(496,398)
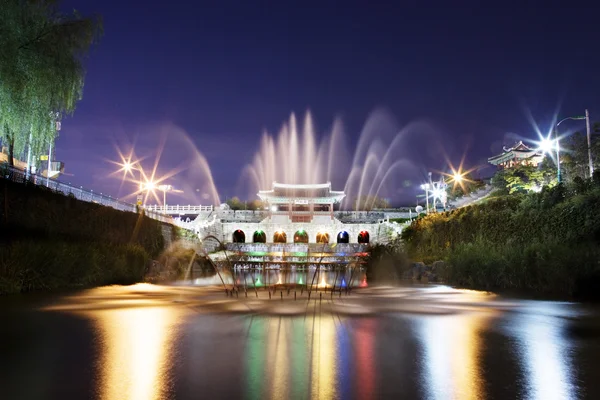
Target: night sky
(221,72)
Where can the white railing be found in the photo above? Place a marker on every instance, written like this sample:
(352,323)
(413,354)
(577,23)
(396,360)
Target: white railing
(20,176)
(179,209)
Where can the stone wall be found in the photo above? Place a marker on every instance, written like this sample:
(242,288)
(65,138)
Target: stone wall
(333,229)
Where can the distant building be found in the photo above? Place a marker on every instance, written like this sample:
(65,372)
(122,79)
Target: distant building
(519,154)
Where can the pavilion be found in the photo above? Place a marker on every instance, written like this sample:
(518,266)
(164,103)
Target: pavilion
(519,154)
(301,203)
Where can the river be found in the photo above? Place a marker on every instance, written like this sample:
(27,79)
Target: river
(190,342)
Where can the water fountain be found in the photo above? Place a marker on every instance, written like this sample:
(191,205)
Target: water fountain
(297,156)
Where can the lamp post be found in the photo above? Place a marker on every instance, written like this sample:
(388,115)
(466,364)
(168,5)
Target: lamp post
(589,141)
(129,167)
(575,118)
(56,127)
(165,189)
(425,187)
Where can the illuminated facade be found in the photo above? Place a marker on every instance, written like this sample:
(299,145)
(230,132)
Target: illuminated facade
(519,154)
(296,214)
(301,203)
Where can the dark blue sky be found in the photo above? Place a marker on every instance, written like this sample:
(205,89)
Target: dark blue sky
(222,71)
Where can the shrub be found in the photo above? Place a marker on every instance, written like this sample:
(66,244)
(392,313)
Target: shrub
(51,241)
(546,242)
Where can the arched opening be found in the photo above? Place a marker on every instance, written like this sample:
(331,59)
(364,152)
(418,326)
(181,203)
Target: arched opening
(259,237)
(322,237)
(279,237)
(239,236)
(363,237)
(343,237)
(301,236)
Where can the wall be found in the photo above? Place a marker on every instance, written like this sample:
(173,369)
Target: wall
(291,228)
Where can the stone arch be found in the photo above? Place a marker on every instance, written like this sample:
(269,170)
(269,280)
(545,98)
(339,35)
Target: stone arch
(343,237)
(363,237)
(279,237)
(259,237)
(238,236)
(322,237)
(301,236)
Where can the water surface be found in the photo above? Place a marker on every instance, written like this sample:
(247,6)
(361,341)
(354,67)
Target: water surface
(429,342)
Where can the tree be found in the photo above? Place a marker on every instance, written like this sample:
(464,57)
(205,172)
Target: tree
(235,203)
(527,178)
(467,186)
(368,203)
(255,205)
(41,64)
(574,154)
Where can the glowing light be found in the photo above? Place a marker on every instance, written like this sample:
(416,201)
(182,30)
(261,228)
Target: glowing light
(146,182)
(452,361)
(546,145)
(274,208)
(457,177)
(324,359)
(323,284)
(148,186)
(135,346)
(301,186)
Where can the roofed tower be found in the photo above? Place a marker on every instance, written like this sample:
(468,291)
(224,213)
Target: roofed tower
(519,154)
(301,202)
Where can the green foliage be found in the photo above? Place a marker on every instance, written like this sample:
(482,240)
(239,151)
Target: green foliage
(41,68)
(236,204)
(34,211)
(387,263)
(525,178)
(31,264)
(51,241)
(400,220)
(466,187)
(574,155)
(546,242)
(368,203)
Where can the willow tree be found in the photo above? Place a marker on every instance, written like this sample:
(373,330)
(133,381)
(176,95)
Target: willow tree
(42,53)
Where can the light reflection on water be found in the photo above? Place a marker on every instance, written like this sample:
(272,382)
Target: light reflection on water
(155,342)
(135,351)
(452,350)
(545,352)
(260,278)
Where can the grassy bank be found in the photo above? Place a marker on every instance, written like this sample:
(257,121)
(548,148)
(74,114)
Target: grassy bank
(50,241)
(546,242)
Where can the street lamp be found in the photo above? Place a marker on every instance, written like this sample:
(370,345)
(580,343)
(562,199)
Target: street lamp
(458,178)
(575,118)
(425,187)
(165,189)
(546,145)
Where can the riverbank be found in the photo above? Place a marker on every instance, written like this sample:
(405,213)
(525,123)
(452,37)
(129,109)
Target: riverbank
(50,241)
(544,243)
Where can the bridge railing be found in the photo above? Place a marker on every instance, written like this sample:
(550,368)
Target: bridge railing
(19,176)
(179,209)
